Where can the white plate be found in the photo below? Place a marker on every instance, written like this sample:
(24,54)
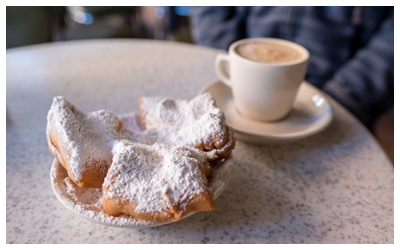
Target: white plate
(311,113)
(87,202)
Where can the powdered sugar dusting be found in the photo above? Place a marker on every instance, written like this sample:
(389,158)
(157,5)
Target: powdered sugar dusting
(88,202)
(87,138)
(183,122)
(153,176)
(132,122)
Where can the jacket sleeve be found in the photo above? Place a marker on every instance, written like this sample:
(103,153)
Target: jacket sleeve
(217,27)
(365,84)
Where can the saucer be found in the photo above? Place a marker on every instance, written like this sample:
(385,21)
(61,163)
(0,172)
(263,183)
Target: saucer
(311,113)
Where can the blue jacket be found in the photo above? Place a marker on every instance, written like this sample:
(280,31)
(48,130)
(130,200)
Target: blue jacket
(351,48)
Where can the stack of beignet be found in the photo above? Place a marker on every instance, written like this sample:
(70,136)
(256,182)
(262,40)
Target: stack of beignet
(158,174)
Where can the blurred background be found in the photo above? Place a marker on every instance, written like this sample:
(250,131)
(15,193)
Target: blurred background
(36,24)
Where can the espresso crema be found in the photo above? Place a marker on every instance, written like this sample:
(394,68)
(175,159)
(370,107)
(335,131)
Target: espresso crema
(269,52)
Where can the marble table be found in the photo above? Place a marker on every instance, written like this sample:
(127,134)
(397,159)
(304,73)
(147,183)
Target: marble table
(334,187)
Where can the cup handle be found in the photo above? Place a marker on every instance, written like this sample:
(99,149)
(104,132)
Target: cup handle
(220,62)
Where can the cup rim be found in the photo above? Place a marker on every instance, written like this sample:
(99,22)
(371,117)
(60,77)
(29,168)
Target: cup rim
(306,54)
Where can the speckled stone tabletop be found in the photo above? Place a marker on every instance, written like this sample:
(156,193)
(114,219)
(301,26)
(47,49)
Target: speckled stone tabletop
(333,187)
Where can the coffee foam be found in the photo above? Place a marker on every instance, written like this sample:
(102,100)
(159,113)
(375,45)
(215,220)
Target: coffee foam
(269,52)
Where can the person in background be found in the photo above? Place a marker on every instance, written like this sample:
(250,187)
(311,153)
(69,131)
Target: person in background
(351,48)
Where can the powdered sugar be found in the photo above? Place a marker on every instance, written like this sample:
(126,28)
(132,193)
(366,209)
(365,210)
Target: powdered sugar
(151,177)
(86,139)
(132,122)
(183,122)
(88,202)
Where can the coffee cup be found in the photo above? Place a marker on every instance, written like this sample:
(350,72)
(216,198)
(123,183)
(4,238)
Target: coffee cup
(264,74)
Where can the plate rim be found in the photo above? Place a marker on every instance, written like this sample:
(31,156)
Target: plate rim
(289,136)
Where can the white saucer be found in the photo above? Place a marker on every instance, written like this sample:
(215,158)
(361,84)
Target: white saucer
(311,113)
(87,202)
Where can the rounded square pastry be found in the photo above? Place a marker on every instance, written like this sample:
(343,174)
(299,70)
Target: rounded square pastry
(194,123)
(158,182)
(81,142)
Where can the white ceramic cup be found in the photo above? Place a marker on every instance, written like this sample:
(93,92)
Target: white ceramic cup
(262,91)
